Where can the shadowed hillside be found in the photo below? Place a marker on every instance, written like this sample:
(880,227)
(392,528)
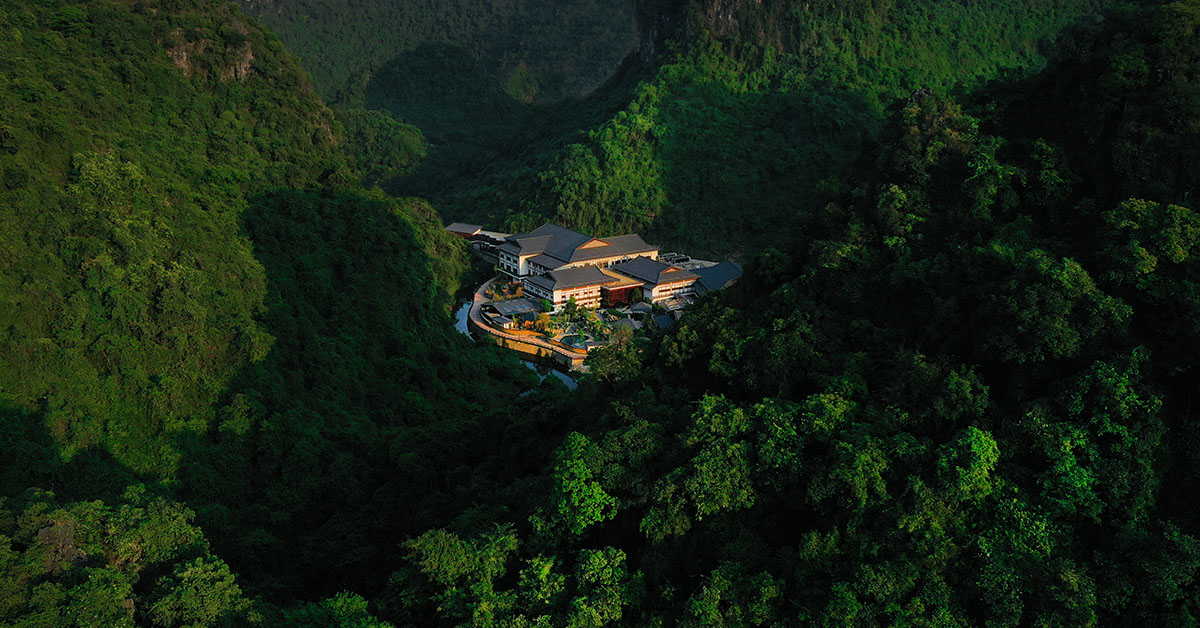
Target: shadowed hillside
(732,123)
(955,385)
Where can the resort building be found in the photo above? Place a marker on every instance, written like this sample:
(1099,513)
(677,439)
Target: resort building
(477,234)
(550,247)
(621,284)
(717,277)
(660,281)
(559,265)
(509,314)
(587,285)
(464,230)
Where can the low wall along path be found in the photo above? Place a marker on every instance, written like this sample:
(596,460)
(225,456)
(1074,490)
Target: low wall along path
(523,341)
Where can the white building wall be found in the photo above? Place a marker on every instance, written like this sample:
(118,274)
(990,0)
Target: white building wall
(586,296)
(508,263)
(670,290)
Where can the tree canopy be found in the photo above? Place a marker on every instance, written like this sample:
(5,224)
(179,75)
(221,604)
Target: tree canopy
(953,388)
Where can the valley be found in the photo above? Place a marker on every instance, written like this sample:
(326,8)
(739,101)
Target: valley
(951,385)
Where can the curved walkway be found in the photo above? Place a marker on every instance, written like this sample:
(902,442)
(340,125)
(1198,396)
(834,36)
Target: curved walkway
(476,316)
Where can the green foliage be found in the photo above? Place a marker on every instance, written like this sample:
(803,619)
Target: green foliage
(603,583)
(344,610)
(730,597)
(617,362)
(93,564)
(197,594)
(129,294)
(527,48)
(968,463)
(725,135)
(709,136)
(354,295)
(581,501)
(469,571)
(958,393)
(196,295)
(383,148)
(540,584)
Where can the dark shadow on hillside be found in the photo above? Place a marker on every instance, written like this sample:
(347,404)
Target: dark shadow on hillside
(485,146)
(367,421)
(735,166)
(36,462)
(736,170)
(1129,139)
(445,90)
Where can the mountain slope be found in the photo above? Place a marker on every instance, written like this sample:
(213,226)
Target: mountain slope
(756,104)
(958,394)
(180,239)
(531,49)
(132,143)
(721,123)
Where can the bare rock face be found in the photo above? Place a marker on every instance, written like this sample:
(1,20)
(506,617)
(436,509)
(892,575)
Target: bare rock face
(182,51)
(655,23)
(234,62)
(59,541)
(239,68)
(720,16)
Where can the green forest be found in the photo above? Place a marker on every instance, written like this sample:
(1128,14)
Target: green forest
(711,142)
(953,388)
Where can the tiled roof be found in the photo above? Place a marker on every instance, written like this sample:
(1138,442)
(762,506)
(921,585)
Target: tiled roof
(572,278)
(568,246)
(628,322)
(620,281)
(616,246)
(513,307)
(664,321)
(719,276)
(653,272)
(462,227)
(546,261)
(547,238)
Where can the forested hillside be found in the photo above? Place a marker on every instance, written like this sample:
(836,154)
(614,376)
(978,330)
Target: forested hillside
(720,125)
(211,335)
(531,49)
(748,108)
(961,393)
(954,387)
(464,74)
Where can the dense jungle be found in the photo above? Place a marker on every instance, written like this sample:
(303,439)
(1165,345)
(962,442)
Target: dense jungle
(954,386)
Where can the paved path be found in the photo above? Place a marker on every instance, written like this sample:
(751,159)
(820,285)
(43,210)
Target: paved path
(476,316)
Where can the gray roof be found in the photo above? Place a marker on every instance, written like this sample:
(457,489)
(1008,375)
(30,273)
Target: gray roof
(546,260)
(568,246)
(572,278)
(525,244)
(512,307)
(627,322)
(652,271)
(547,238)
(641,307)
(719,276)
(664,321)
(629,244)
(462,227)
